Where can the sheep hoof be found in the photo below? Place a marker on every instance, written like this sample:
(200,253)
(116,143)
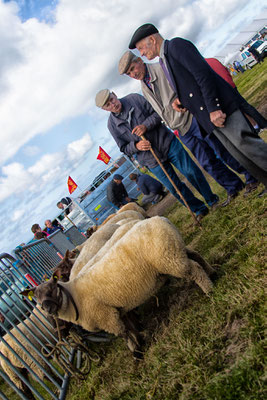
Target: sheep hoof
(138,355)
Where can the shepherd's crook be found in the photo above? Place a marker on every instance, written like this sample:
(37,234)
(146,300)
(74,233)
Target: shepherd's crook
(174,185)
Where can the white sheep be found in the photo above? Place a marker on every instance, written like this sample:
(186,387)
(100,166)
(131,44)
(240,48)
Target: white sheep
(32,325)
(124,278)
(92,245)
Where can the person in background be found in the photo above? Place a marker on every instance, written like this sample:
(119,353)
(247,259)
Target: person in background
(256,54)
(116,192)
(40,235)
(65,204)
(50,227)
(151,188)
(255,118)
(36,228)
(211,100)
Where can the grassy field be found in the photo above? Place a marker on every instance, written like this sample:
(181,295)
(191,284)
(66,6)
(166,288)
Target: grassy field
(199,347)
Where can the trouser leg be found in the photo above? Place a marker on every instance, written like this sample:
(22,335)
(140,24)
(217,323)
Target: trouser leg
(249,149)
(179,157)
(207,158)
(196,205)
(221,151)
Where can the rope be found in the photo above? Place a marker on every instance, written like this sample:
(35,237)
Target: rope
(73,341)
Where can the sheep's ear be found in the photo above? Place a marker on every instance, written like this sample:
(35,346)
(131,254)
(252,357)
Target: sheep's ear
(67,255)
(28,293)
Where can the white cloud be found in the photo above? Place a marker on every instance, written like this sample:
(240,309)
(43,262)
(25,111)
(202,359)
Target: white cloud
(76,150)
(17,214)
(48,169)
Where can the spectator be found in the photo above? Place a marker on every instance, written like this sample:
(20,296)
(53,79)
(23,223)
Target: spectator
(51,228)
(40,235)
(258,57)
(116,192)
(36,228)
(65,204)
(150,187)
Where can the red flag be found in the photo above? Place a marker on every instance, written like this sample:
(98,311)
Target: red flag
(103,156)
(71,185)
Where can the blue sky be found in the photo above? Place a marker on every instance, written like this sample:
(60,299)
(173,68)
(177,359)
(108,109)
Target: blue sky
(55,56)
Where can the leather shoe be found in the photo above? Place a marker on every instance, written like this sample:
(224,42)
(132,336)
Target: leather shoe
(230,197)
(250,187)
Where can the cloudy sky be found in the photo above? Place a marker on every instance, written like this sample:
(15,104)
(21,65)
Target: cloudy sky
(54,56)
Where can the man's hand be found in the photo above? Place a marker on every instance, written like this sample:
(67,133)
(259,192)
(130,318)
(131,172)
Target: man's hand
(139,130)
(177,106)
(218,118)
(143,145)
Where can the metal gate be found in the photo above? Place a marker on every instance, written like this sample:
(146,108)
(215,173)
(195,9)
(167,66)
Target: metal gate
(25,330)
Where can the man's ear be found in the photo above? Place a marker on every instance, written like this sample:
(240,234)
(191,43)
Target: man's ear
(28,293)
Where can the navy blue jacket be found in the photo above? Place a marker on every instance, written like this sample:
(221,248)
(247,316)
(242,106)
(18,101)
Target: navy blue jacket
(200,89)
(136,110)
(148,185)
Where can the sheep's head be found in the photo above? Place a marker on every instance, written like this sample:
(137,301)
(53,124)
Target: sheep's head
(47,294)
(64,267)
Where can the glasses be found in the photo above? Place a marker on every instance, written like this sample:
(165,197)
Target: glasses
(112,100)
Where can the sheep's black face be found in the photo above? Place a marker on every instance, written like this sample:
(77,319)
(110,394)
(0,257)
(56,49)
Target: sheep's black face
(49,296)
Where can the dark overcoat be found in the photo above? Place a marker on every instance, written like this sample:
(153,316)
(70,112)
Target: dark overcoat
(200,89)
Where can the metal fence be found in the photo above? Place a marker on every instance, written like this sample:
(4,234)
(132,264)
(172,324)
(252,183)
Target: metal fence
(25,330)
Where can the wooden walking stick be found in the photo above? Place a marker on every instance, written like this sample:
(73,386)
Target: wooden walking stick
(174,185)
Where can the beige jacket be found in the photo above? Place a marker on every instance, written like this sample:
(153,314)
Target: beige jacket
(161,97)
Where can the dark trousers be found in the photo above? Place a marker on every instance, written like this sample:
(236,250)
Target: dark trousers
(204,151)
(244,145)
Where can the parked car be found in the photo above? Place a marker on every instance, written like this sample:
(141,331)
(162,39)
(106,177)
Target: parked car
(248,61)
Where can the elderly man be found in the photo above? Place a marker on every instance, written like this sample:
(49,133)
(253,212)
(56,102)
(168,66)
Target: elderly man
(132,117)
(206,95)
(160,95)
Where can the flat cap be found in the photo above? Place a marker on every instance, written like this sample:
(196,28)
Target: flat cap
(142,32)
(102,97)
(127,58)
(118,177)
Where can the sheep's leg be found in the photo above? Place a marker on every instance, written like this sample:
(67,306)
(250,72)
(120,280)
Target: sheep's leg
(132,335)
(198,275)
(195,256)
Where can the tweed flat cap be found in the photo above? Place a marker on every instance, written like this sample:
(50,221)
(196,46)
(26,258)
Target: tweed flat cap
(127,58)
(102,97)
(142,32)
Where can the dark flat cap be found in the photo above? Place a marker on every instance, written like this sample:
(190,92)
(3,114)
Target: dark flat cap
(118,177)
(142,32)
(126,60)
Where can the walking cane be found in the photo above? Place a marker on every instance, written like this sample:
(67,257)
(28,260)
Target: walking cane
(174,185)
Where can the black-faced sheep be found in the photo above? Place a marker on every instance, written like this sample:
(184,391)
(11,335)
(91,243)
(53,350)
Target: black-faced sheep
(124,278)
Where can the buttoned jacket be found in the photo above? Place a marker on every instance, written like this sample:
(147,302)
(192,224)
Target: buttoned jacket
(197,86)
(161,96)
(136,110)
